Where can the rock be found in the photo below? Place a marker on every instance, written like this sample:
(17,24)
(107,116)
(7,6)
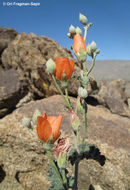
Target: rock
(23,158)
(112,95)
(128,103)
(12,89)
(28,54)
(6,36)
(127,89)
(10,183)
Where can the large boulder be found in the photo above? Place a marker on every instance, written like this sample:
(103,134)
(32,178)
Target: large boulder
(12,89)
(28,53)
(6,36)
(113,96)
(23,160)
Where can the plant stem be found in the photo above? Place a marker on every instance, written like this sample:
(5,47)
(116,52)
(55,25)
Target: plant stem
(54,166)
(67,97)
(75,141)
(85,121)
(60,91)
(78,135)
(85,32)
(76,176)
(64,178)
(85,126)
(93,63)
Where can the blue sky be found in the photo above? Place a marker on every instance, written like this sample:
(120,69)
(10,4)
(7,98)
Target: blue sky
(111,18)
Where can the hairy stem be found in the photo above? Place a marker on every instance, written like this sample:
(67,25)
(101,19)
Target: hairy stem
(93,64)
(85,125)
(67,97)
(60,91)
(75,141)
(76,176)
(64,178)
(54,166)
(85,32)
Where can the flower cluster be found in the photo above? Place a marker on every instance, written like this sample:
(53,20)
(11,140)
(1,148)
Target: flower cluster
(61,70)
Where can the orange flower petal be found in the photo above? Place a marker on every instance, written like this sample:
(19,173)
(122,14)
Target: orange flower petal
(51,119)
(63,65)
(79,43)
(44,129)
(56,127)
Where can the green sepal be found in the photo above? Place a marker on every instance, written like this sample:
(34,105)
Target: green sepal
(48,145)
(82,55)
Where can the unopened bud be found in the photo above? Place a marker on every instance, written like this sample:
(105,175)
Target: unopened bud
(79,107)
(35,115)
(69,35)
(72,29)
(78,31)
(93,46)
(50,65)
(27,122)
(62,160)
(98,51)
(82,92)
(83,19)
(89,52)
(75,121)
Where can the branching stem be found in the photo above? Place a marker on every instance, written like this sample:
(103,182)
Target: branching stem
(60,91)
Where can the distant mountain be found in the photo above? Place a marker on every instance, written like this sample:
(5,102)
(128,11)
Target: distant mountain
(110,69)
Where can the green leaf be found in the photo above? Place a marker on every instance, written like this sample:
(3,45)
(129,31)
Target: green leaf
(88,151)
(55,182)
(73,156)
(71,181)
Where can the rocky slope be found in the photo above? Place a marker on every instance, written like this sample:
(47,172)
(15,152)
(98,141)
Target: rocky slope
(23,161)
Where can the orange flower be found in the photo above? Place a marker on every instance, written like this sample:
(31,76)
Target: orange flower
(48,127)
(79,44)
(63,65)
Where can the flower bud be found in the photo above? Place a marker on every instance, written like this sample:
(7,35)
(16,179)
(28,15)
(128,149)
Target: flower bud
(89,52)
(79,106)
(62,149)
(27,122)
(93,46)
(82,92)
(98,51)
(51,67)
(83,19)
(62,160)
(72,29)
(69,35)
(75,121)
(78,31)
(35,115)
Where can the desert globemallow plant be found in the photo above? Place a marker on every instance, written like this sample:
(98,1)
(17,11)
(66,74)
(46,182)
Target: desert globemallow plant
(48,127)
